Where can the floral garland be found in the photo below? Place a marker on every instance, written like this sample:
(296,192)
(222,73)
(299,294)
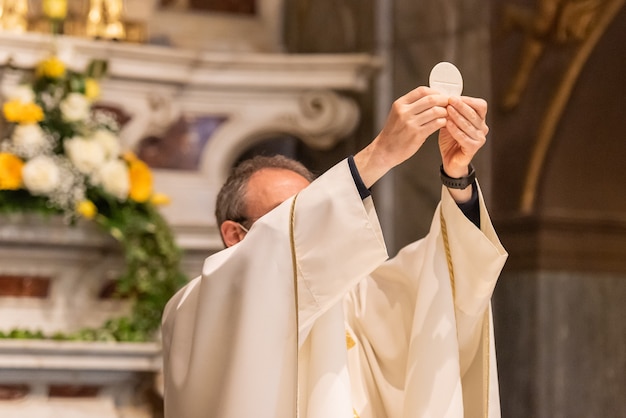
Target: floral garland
(62,155)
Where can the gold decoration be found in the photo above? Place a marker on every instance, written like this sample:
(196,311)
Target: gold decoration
(553,22)
(349,340)
(580,22)
(100,19)
(14,15)
(487,317)
(104,19)
(294,263)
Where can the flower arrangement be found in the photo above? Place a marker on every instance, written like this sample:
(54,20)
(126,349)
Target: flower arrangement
(61,154)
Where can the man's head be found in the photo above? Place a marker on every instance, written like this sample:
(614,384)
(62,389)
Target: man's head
(255,187)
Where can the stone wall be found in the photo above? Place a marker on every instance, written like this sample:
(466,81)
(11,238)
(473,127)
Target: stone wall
(560,208)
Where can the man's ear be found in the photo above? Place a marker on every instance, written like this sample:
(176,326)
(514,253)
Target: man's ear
(231,233)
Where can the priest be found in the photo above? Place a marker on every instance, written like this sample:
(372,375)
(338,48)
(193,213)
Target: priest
(303,314)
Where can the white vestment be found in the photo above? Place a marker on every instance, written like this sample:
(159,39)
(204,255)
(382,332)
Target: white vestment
(376,338)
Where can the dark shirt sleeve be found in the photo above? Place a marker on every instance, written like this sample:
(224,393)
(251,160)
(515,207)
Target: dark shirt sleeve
(363,191)
(470,209)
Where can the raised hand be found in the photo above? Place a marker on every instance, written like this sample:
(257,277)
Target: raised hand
(411,120)
(464,134)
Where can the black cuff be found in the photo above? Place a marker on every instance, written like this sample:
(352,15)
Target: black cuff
(471,208)
(363,191)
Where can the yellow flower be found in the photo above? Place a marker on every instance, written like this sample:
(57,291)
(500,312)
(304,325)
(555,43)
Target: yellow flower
(129,156)
(92,88)
(51,67)
(24,113)
(55,9)
(160,199)
(87,209)
(12,110)
(10,171)
(140,181)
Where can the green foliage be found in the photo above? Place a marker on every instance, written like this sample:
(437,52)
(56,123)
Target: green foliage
(152,261)
(16,201)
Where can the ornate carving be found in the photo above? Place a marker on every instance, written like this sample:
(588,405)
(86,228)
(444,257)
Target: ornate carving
(319,118)
(325,118)
(554,22)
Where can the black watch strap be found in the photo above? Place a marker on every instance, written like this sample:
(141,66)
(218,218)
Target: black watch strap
(458,183)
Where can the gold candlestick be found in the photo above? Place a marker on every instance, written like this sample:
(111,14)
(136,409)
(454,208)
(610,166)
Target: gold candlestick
(104,19)
(94,18)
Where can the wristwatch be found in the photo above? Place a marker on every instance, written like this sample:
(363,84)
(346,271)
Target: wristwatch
(458,183)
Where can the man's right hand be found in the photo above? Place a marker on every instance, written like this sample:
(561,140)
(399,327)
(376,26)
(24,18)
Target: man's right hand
(411,120)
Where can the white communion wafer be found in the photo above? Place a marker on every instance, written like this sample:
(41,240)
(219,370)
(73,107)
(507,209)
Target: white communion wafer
(446,79)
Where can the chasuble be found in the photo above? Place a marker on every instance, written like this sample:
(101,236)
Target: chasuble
(365,336)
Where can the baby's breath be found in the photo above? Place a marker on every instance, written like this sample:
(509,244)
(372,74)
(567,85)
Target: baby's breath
(106,119)
(71,188)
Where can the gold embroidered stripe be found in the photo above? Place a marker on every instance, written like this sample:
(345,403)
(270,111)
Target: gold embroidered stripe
(294,263)
(485,327)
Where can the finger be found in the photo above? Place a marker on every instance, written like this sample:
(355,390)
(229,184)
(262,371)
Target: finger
(419,93)
(466,145)
(432,126)
(462,122)
(463,111)
(462,130)
(430,114)
(476,104)
(428,107)
(423,111)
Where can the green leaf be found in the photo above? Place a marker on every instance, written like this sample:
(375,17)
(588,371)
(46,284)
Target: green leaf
(97,68)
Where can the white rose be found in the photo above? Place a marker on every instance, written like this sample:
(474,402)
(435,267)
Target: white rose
(75,107)
(41,175)
(109,142)
(114,178)
(21,92)
(29,140)
(87,155)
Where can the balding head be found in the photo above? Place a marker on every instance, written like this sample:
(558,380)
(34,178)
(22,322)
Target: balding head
(255,187)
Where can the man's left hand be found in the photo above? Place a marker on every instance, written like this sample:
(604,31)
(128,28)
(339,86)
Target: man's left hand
(464,134)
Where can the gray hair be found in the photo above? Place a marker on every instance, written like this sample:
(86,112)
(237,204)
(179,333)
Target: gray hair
(231,204)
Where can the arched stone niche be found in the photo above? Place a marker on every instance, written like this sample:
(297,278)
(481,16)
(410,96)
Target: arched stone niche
(318,118)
